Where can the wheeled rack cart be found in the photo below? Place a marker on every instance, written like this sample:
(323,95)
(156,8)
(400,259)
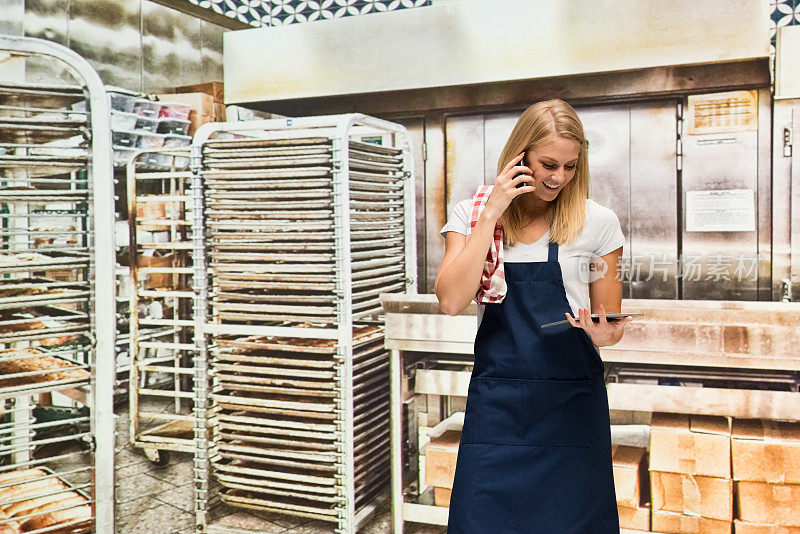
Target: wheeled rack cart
(300,224)
(57,307)
(161,303)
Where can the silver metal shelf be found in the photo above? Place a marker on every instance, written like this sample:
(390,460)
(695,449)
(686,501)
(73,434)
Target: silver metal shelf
(297,385)
(57,307)
(161,348)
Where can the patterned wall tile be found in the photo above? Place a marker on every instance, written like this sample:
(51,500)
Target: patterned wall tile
(782,13)
(281,12)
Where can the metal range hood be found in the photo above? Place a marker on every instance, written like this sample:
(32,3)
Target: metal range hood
(469,44)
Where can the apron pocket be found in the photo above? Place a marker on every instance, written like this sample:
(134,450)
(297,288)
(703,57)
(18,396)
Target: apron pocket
(494,411)
(563,413)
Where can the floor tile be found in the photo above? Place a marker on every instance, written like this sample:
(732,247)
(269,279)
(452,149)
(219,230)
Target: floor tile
(163,519)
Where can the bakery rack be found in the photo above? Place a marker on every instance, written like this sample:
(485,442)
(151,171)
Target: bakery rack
(299,225)
(57,308)
(161,307)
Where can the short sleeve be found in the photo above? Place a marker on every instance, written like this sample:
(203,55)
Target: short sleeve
(608,231)
(459,218)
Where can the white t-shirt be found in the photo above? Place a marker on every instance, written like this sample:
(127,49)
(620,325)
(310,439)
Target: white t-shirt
(601,234)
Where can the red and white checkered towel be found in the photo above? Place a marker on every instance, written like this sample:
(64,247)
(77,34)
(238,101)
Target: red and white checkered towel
(493,278)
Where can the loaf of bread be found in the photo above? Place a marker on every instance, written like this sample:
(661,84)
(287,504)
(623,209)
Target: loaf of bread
(46,518)
(12,527)
(10,363)
(21,327)
(24,507)
(19,474)
(30,488)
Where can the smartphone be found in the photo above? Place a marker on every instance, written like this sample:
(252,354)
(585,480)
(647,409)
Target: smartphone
(522,162)
(596,318)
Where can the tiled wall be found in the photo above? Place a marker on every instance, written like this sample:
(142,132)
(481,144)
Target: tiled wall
(280,12)
(782,13)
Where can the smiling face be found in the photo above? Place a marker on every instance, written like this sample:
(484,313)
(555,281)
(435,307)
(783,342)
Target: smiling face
(553,163)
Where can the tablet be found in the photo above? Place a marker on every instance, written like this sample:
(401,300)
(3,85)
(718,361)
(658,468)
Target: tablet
(596,318)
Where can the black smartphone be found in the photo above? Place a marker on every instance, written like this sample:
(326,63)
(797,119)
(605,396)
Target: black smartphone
(521,184)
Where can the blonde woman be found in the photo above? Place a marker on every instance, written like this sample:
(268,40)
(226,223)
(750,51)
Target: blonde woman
(535,451)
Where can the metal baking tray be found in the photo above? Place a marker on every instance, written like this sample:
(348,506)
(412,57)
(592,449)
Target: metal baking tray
(267,237)
(391,162)
(40,292)
(312,197)
(372,198)
(272,492)
(286,217)
(20,195)
(255,268)
(283,464)
(54,322)
(41,166)
(40,95)
(361,244)
(374,168)
(232,177)
(263,359)
(290,247)
(50,259)
(357,266)
(215,145)
(227,403)
(34,388)
(270,151)
(372,147)
(260,308)
(272,225)
(14,132)
(255,483)
(237,468)
(295,507)
(229,284)
(251,400)
(231,317)
(241,161)
(391,207)
(271,298)
(362,335)
(303,427)
(258,438)
(379,188)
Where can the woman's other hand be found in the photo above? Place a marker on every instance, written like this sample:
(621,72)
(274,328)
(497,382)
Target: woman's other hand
(602,333)
(509,184)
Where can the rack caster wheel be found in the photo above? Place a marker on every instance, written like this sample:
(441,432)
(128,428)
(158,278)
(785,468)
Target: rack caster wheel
(157,458)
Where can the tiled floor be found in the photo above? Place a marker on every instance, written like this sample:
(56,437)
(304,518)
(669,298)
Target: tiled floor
(152,500)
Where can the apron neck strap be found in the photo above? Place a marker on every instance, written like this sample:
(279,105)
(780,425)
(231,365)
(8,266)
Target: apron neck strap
(552,253)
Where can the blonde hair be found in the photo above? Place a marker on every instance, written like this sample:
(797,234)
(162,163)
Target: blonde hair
(537,123)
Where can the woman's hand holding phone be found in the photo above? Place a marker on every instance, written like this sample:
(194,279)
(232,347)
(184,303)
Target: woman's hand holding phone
(511,182)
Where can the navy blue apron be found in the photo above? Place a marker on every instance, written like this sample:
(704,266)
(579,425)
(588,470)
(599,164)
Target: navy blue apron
(535,450)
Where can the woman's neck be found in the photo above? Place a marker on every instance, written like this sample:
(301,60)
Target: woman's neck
(537,210)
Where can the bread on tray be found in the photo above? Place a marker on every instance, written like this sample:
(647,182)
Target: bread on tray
(11,527)
(52,514)
(49,504)
(35,360)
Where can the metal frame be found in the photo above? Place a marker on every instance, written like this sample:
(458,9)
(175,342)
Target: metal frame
(168,334)
(102,306)
(338,129)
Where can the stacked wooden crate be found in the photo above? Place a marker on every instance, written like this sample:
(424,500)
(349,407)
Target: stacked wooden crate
(631,486)
(690,474)
(766,470)
(440,465)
